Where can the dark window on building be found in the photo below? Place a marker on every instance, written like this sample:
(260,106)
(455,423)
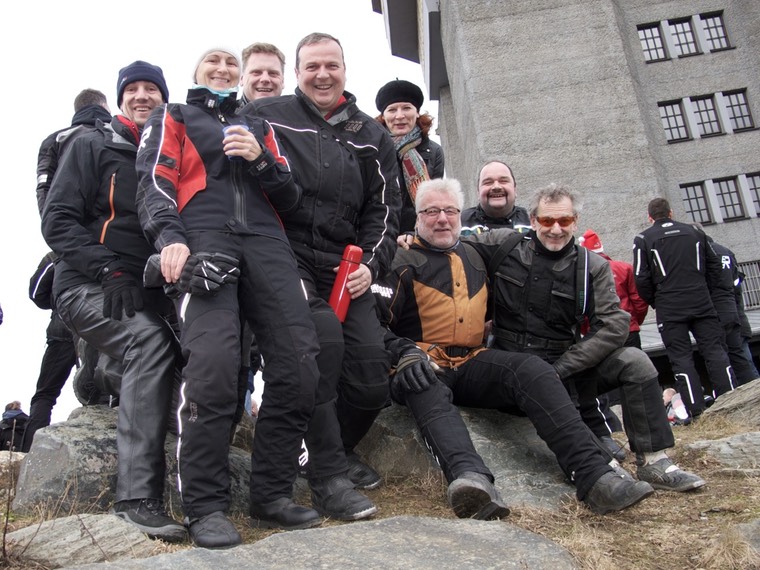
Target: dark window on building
(706,115)
(650,36)
(695,202)
(673,121)
(738,110)
(715,31)
(729,200)
(753,181)
(683,37)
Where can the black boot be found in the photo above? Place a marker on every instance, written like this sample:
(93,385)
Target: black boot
(473,495)
(335,497)
(283,513)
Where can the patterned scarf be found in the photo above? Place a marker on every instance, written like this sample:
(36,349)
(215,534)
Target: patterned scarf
(412,166)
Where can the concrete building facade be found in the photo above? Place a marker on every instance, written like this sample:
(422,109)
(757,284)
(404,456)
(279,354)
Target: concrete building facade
(621,100)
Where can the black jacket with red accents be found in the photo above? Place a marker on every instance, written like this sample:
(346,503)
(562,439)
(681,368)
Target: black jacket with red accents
(187,183)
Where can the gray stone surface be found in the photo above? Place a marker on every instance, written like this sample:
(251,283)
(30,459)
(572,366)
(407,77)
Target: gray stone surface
(741,405)
(81,539)
(525,469)
(73,465)
(395,543)
(751,533)
(739,454)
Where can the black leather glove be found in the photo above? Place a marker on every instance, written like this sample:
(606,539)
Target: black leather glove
(415,372)
(153,278)
(204,273)
(121,295)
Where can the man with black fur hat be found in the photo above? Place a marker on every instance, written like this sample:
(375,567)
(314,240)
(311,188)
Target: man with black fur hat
(90,222)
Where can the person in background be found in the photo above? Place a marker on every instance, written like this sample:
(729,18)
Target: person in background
(435,304)
(263,72)
(212,182)
(419,158)
(263,75)
(346,165)
(730,311)
(678,274)
(13,425)
(90,107)
(90,221)
(544,287)
(1,315)
(497,192)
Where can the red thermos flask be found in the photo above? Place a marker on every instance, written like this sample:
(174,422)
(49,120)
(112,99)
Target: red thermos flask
(340,297)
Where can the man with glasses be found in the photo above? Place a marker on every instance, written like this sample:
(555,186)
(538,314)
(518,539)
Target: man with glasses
(435,303)
(544,288)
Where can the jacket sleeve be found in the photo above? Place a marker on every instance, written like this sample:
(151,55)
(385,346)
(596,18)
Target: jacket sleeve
(157,164)
(608,324)
(642,271)
(272,169)
(390,299)
(379,219)
(70,203)
(47,163)
(639,306)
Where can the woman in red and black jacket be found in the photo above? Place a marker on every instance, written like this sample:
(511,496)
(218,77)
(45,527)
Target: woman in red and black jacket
(211,195)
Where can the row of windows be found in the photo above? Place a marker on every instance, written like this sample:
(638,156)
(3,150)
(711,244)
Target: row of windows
(707,115)
(722,200)
(683,37)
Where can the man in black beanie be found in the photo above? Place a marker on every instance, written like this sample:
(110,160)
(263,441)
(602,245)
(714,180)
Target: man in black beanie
(90,222)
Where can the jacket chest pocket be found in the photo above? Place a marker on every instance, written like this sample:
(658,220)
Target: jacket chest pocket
(510,292)
(561,307)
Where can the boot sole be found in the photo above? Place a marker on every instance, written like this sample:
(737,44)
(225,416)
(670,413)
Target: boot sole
(367,486)
(681,489)
(168,533)
(265,524)
(475,503)
(365,514)
(629,503)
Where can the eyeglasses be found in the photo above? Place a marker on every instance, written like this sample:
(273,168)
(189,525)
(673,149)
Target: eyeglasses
(564,221)
(435,212)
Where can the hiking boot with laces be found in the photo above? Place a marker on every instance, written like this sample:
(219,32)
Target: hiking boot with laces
(614,492)
(335,497)
(149,516)
(667,476)
(473,496)
(361,474)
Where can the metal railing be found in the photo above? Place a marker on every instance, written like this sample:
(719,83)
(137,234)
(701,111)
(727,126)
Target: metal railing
(751,286)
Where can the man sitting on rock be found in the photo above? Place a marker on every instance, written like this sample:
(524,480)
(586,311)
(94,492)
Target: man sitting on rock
(435,304)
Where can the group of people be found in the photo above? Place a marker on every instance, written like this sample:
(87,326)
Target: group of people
(183,233)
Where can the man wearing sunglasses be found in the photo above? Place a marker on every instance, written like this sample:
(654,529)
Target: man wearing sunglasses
(435,303)
(544,288)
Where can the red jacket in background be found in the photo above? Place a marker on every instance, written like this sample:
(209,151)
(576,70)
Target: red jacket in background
(625,285)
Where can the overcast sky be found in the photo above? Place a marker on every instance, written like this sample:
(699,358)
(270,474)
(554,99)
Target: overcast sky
(64,47)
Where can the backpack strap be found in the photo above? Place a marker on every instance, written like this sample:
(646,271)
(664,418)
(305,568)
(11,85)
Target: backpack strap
(581,288)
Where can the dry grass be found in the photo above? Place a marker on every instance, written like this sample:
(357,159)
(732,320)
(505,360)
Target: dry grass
(670,531)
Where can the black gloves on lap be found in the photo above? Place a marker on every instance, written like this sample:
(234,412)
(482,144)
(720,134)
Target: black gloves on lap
(204,273)
(415,372)
(121,295)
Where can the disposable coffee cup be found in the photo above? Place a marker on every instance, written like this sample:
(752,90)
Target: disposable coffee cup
(225,128)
